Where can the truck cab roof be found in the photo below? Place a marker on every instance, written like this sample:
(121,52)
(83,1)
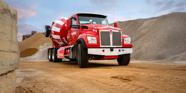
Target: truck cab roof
(91,14)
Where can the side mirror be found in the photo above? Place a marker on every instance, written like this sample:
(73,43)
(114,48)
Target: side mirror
(115,24)
(47,30)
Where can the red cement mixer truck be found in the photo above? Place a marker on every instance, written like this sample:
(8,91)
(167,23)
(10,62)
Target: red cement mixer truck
(86,36)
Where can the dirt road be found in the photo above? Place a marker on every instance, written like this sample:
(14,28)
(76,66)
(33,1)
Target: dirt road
(101,77)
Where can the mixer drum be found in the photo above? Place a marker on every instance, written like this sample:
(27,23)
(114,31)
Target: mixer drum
(59,31)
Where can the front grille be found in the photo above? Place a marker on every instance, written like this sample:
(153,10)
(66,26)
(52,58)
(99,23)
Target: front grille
(110,39)
(105,38)
(116,38)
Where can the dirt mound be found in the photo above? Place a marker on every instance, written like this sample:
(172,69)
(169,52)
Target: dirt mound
(158,38)
(31,45)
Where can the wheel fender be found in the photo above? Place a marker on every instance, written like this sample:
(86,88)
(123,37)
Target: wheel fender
(81,41)
(74,48)
(83,38)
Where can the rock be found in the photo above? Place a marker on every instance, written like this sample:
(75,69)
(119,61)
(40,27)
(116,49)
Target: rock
(9,51)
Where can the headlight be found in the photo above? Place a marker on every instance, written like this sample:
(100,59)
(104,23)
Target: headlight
(92,40)
(127,40)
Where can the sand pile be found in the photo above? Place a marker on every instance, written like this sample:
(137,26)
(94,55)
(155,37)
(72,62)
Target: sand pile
(32,45)
(158,38)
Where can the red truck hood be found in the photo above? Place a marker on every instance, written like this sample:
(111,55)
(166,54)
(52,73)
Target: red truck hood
(100,27)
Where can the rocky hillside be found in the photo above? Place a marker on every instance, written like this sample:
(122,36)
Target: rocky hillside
(159,38)
(9,55)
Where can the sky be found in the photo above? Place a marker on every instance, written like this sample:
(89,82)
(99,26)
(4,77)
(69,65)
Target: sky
(35,14)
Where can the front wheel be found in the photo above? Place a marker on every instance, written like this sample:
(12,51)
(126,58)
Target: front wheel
(82,56)
(124,59)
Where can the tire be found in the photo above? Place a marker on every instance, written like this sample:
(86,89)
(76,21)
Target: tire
(54,55)
(82,56)
(124,59)
(50,54)
(73,59)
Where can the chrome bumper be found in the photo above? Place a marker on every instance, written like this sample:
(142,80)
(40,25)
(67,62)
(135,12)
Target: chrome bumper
(109,51)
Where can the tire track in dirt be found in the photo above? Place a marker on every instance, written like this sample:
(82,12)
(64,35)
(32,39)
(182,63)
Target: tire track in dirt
(45,77)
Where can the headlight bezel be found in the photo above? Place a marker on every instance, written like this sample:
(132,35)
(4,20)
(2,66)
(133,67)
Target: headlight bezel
(92,40)
(127,40)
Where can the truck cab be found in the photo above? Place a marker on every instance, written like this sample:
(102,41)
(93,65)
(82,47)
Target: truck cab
(90,37)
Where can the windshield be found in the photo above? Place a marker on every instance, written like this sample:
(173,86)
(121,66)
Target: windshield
(92,20)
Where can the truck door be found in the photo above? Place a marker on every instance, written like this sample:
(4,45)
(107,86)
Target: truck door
(74,30)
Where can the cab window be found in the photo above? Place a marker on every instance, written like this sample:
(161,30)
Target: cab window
(73,21)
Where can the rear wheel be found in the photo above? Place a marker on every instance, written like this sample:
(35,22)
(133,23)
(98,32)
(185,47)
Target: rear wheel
(54,55)
(82,56)
(124,59)
(50,54)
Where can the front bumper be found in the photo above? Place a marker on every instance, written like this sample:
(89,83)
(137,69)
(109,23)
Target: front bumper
(109,51)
